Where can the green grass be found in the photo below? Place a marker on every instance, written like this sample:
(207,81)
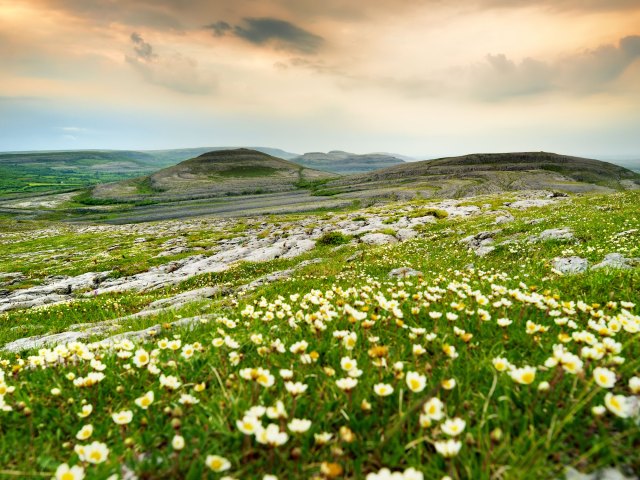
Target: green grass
(512,430)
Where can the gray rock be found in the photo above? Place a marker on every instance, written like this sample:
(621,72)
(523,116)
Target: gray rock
(617,261)
(404,272)
(570,265)
(481,243)
(536,202)
(561,234)
(378,239)
(604,474)
(405,234)
(505,217)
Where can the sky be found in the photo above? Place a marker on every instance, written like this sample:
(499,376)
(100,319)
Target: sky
(423,78)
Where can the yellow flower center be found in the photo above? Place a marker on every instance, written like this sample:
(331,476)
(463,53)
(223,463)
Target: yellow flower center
(528,377)
(95,455)
(67,476)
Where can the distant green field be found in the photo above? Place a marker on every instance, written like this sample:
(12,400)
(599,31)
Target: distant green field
(44,172)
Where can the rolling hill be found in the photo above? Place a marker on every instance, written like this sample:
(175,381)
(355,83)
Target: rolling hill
(337,161)
(476,174)
(212,174)
(26,173)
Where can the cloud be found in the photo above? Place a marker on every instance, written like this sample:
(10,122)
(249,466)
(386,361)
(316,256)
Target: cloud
(174,71)
(281,34)
(583,73)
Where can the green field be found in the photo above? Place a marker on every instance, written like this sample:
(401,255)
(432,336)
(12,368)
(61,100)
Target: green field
(533,371)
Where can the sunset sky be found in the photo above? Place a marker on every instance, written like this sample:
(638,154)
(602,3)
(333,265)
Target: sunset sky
(417,77)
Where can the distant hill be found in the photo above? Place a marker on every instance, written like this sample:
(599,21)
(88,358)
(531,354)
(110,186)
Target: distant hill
(177,155)
(24,173)
(492,172)
(37,172)
(337,161)
(216,173)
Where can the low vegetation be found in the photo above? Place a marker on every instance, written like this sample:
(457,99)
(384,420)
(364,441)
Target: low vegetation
(474,367)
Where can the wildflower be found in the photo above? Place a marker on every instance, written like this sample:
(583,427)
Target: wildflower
(544,386)
(286,374)
(277,411)
(272,436)
(322,438)
(123,417)
(501,364)
(249,425)
(448,448)
(217,463)
(85,432)
(55,392)
(85,411)
(383,389)
(169,381)
(199,387)
(177,442)
(634,385)
(433,408)
(416,382)
(95,452)
(618,405)
(298,425)
(186,399)
(525,375)
(453,427)
(145,400)
(504,322)
(296,388)
(348,364)
(347,383)
(448,384)
(604,377)
(140,358)
(598,410)
(64,472)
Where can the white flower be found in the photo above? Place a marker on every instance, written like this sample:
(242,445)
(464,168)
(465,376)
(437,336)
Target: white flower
(524,375)
(604,377)
(618,405)
(433,408)
(348,363)
(217,463)
(186,399)
(95,452)
(123,417)
(295,388)
(383,389)
(453,427)
(64,472)
(140,358)
(347,383)
(448,448)
(145,400)
(298,425)
(249,425)
(416,382)
(85,432)
(177,442)
(272,436)
(169,381)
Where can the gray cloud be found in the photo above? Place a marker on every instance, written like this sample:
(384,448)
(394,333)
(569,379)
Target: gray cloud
(174,71)
(584,73)
(281,34)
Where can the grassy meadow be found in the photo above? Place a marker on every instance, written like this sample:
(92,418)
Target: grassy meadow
(494,367)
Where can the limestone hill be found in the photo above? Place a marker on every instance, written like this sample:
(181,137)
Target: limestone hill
(337,161)
(493,172)
(217,173)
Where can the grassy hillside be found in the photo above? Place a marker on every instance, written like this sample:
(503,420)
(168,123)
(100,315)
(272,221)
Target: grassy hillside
(40,172)
(344,162)
(217,173)
(23,174)
(489,173)
(484,367)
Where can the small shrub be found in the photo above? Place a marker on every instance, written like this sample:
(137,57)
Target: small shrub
(333,238)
